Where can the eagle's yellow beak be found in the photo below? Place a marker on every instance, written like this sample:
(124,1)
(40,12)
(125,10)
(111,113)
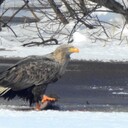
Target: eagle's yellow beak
(73,50)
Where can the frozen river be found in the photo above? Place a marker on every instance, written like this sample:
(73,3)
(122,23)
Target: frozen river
(90,86)
(92,95)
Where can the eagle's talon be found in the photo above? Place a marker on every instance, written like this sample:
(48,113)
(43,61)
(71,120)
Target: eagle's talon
(46,98)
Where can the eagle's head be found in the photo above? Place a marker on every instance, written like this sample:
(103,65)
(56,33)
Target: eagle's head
(63,52)
(67,49)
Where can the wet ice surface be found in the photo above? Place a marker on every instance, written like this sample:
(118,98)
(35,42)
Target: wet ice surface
(62,119)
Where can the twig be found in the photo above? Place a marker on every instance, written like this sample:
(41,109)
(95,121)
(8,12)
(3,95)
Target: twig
(31,11)
(5,24)
(102,26)
(10,28)
(122,30)
(72,31)
(39,32)
(4,13)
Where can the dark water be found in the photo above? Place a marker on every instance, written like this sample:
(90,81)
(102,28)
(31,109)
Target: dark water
(87,86)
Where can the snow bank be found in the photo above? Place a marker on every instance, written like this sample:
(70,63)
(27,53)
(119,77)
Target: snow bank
(105,48)
(111,51)
(60,119)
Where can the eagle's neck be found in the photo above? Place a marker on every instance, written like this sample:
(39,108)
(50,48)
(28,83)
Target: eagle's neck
(61,57)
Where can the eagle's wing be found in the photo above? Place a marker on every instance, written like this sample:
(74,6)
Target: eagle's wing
(30,71)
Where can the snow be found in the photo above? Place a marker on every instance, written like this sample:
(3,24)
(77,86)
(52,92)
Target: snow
(101,50)
(105,48)
(62,119)
(113,50)
(120,93)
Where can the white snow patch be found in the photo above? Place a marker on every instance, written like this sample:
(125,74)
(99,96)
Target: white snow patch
(111,51)
(120,93)
(59,119)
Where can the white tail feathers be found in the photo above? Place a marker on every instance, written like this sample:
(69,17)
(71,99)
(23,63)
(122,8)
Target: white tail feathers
(3,90)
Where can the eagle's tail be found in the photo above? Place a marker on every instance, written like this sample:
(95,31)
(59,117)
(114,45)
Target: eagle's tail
(8,93)
(3,90)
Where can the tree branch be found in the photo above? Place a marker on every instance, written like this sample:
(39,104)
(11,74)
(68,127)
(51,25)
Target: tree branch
(114,6)
(31,11)
(5,24)
(58,12)
(1,1)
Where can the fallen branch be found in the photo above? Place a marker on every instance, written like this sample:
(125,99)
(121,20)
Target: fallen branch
(40,43)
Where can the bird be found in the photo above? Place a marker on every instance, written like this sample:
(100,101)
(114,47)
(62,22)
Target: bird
(29,78)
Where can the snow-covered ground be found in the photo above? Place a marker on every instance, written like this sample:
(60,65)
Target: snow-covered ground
(100,50)
(66,119)
(103,49)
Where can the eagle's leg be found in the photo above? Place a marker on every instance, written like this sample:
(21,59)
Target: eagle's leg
(46,98)
(38,91)
(38,106)
(45,101)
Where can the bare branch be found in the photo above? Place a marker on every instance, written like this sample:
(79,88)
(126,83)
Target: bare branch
(114,6)
(1,1)
(122,30)
(102,27)
(39,32)
(31,11)
(58,12)
(10,28)
(5,24)
(71,11)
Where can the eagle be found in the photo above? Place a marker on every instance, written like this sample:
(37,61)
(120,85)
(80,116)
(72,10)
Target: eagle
(29,78)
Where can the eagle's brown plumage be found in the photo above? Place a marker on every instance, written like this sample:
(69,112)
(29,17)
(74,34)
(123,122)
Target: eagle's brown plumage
(29,77)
